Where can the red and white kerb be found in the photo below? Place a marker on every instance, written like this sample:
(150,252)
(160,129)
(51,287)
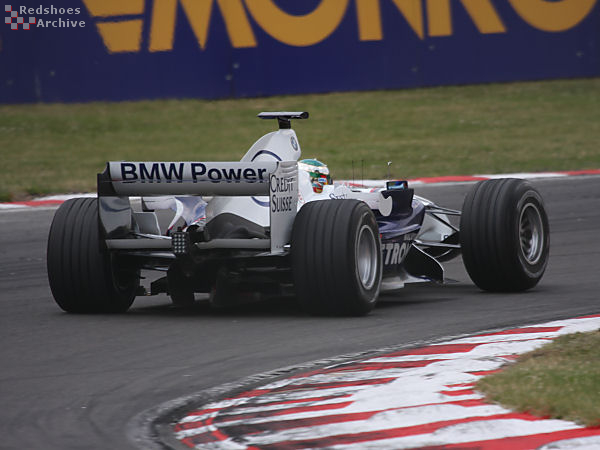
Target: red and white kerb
(416,398)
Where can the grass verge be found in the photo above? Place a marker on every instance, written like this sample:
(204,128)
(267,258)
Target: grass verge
(494,128)
(560,380)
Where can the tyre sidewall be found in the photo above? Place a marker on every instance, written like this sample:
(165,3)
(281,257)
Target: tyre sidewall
(527,196)
(365,217)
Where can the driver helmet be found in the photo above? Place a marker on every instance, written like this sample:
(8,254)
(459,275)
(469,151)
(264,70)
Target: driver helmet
(318,173)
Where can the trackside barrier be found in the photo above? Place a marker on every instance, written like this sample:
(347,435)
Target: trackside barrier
(82,50)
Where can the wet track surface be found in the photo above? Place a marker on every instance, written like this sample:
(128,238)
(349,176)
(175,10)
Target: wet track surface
(75,381)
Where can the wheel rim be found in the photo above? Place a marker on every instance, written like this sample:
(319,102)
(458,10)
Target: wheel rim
(366,257)
(531,233)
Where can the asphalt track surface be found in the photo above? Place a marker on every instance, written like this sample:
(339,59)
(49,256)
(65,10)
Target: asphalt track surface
(76,381)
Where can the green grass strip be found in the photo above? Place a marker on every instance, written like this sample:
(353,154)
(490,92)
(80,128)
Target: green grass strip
(494,128)
(560,380)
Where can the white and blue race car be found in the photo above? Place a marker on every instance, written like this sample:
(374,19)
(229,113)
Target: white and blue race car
(273,224)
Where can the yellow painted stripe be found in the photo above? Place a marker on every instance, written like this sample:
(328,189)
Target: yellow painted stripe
(120,37)
(107,8)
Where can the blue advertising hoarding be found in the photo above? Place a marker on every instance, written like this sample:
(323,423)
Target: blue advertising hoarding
(82,50)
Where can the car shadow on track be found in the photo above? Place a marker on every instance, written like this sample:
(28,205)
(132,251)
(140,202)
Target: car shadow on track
(272,307)
(425,294)
(289,307)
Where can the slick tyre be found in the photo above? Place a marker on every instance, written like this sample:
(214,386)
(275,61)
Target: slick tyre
(336,257)
(84,277)
(504,235)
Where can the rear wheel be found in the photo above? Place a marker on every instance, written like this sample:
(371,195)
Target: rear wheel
(84,277)
(336,257)
(505,237)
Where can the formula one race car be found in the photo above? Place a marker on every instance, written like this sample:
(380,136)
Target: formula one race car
(273,224)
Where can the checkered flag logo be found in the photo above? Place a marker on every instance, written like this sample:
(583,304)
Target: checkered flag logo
(14,20)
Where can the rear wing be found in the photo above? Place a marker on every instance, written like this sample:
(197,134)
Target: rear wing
(186,178)
(277,179)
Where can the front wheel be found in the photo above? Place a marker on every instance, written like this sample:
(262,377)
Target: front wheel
(83,276)
(336,257)
(504,234)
